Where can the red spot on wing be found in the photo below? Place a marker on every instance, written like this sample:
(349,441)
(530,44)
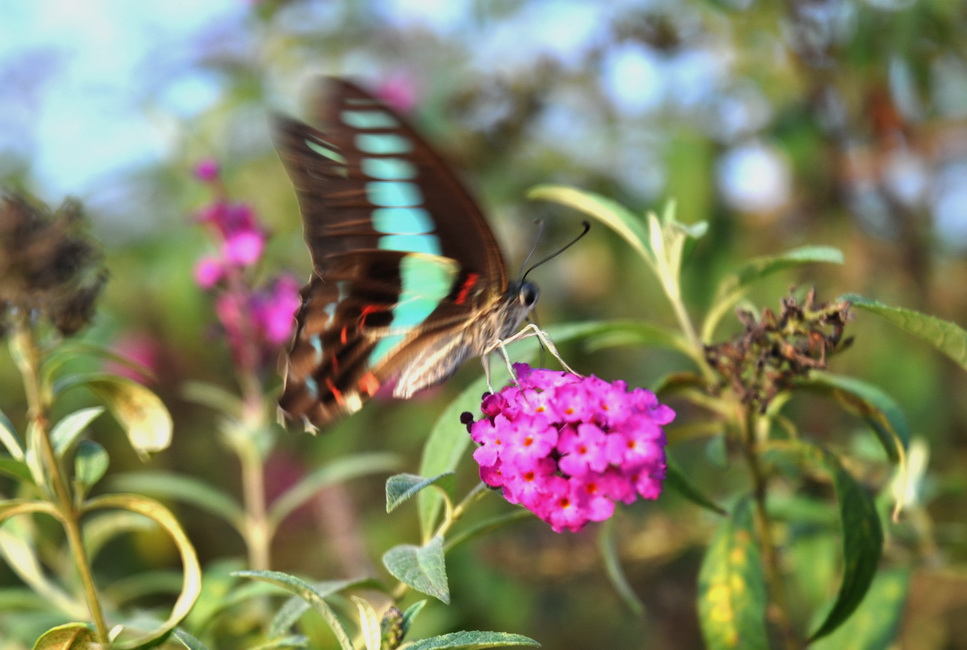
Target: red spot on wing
(366,311)
(465,288)
(368,384)
(344,335)
(336,393)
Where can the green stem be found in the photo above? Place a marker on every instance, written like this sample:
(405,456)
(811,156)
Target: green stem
(69,513)
(257,531)
(763,524)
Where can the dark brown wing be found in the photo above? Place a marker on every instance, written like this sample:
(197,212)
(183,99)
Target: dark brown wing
(326,168)
(403,258)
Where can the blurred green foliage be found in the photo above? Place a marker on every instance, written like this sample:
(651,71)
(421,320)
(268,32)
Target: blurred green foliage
(853,114)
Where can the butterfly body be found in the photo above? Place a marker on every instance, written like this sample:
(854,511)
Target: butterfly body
(407,281)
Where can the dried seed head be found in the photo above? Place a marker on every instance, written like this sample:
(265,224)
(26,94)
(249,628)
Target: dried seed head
(773,351)
(48,265)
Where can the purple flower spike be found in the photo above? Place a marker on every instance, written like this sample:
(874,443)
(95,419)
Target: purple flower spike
(568,447)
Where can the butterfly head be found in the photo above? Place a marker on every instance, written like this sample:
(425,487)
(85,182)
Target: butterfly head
(527,295)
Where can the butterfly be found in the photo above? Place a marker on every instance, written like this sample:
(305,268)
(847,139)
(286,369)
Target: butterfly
(408,281)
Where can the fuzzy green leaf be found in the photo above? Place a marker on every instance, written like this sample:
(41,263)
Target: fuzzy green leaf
(420,567)
(472,640)
(732,593)
(945,336)
(308,593)
(401,487)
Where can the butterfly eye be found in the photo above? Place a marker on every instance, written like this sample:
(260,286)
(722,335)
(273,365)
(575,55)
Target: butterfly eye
(528,294)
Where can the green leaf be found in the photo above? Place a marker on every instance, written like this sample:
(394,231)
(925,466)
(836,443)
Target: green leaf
(369,626)
(66,431)
(472,640)
(103,527)
(632,332)
(187,640)
(870,403)
(291,641)
(420,567)
(71,636)
(862,540)
(616,574)
(191,570)
(335,472)
(945,336)
(677,480)
(486,526)
(90,464)
(443,449)
(10,439)
(286,616)
(608,212)
(401,487)
(295,607)
(17,469)
(308,593)
(734,286)
(139,411)
(17,547)
(185,489)
(876,622)
(411,613)
(732,593)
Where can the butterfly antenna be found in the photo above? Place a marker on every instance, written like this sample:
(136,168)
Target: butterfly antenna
(537,239)
(587,227)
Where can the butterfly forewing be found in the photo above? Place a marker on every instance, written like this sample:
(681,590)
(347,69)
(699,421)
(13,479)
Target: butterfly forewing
(407,277)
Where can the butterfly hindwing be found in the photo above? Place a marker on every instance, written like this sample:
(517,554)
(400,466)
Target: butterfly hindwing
(407,279)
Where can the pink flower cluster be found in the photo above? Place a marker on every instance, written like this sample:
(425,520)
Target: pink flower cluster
(256,321)
(568,447)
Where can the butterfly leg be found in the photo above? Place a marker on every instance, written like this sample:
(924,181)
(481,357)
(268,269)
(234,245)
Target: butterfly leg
(528,331)
(485,362)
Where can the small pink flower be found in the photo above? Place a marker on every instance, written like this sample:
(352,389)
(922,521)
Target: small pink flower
(207,169)
(276,314)
(398,92)
(209,272)
(243,248)
(568,447)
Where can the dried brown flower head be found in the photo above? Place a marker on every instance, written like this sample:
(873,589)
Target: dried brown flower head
(48,266)
(776,350)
